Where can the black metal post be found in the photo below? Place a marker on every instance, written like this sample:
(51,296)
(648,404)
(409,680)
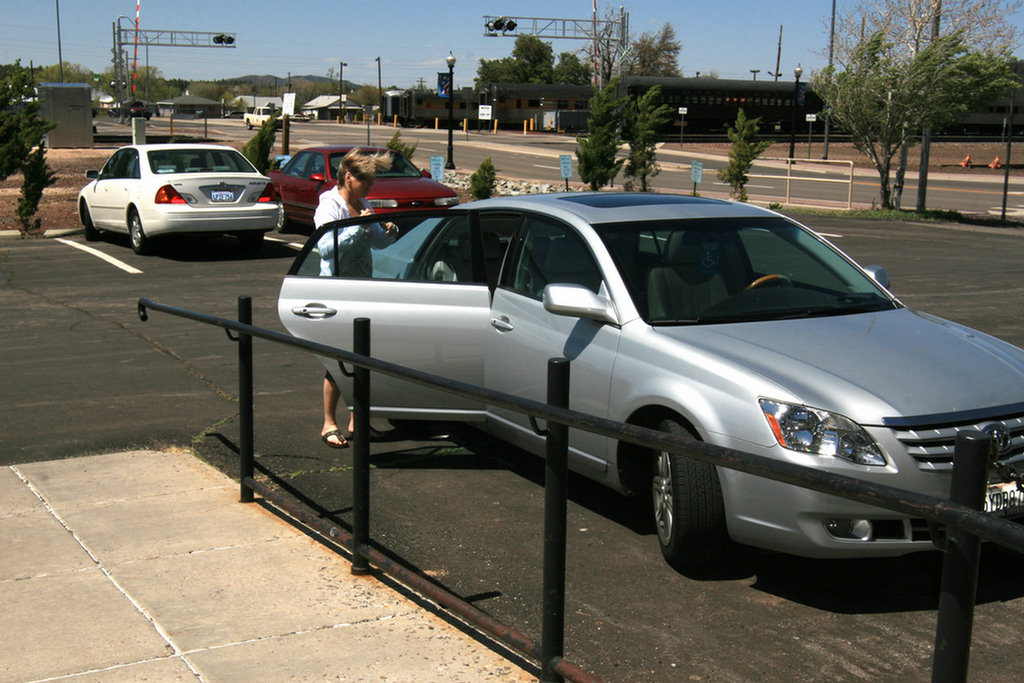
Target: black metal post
(792,130)
(245,420)
(1009,150)
(451,110)
(556,491)
(361,450)
(960,563)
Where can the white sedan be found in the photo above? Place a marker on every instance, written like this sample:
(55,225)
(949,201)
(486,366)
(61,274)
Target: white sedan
(148,191)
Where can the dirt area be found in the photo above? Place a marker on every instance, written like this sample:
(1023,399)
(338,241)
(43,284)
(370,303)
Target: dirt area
(57,209)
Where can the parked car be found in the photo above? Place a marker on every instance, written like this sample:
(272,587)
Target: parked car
(139,109)
(150,191)
(716,320)
(313,171)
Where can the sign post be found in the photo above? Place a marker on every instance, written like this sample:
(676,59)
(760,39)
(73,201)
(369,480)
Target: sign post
(437,168)
(696,174)
(565,168)
(682,124)
(811,118)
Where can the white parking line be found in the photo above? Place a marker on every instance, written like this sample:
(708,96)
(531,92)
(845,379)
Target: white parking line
(294,245)
(96,252)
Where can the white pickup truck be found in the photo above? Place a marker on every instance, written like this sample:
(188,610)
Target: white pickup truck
(259,115)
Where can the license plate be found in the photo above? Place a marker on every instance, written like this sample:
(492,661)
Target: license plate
(222,196)
(1004,499)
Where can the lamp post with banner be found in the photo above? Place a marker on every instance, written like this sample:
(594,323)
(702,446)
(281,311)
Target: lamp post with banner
(446,87)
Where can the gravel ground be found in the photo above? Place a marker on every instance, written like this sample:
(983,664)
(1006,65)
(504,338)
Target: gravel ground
(57,209)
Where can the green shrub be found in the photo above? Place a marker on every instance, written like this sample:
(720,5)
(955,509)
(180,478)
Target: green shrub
(481,183)
(258,149)
(37,176)
(397,145)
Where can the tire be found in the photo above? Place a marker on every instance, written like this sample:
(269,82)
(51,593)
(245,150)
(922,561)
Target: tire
(91,233)
(689,513)
(248,125)
(250,241)
(140,243)
(282,219)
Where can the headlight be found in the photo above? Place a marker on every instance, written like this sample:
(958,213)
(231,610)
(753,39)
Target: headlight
(819,432)
(384,203)
(446,201)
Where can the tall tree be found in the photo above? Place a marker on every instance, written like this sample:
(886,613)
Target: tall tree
(746,147)
(644,117)
(570,70)
(655,53)
(883,98)
(596,151)
(532,61)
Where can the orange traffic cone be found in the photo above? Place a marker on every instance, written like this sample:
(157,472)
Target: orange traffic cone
(996,163)
(966,163)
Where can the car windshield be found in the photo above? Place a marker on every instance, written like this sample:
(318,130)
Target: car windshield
(736,270)
(400,167)
(198,160)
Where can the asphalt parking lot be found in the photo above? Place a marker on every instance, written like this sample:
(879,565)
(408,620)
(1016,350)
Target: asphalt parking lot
(80,374)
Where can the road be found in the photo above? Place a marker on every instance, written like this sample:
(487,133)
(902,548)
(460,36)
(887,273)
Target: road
(81,374)
(536,157)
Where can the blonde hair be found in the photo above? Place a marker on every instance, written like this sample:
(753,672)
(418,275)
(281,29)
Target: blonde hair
(362,165)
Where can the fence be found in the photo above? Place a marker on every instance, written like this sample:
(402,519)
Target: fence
(790,178)
(965,526)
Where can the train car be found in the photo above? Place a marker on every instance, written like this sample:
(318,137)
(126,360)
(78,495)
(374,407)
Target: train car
(421,108)
(712,103)
(540,106)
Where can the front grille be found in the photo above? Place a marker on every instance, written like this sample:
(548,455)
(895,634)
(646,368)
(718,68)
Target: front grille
(931,445)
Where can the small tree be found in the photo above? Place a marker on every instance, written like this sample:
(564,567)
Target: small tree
(644,119)
(596,152)
(396,144)
(37,177)
(745,149)
(258,149)
(481,183)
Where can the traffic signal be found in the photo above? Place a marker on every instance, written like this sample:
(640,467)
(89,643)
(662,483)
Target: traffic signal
(223,39)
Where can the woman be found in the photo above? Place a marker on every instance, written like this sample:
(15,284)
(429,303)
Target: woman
(347,252)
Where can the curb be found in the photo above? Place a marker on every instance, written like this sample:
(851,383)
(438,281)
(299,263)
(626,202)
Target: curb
(61,232)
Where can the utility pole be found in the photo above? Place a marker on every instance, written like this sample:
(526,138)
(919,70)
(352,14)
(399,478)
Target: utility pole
(926,134)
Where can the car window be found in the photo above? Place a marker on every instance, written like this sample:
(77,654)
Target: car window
(737,269)
(546,253)
(123,164)
(298,165)
(198,160)
(332,250)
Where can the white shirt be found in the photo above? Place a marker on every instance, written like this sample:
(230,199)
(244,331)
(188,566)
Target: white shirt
(354,242)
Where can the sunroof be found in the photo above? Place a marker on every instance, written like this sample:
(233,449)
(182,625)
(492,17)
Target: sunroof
(618,200)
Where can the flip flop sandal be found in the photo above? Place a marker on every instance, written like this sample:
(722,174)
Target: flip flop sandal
(341,443)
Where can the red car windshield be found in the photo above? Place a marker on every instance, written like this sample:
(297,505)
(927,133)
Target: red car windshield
(400,167)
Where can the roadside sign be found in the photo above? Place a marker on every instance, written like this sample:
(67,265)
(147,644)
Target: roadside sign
(288,104)
(437,168)
(485,112)
(565,166)
(696,171)
(682,111)
(811,118)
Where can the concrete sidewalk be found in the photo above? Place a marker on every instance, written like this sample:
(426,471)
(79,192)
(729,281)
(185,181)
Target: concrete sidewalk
(144,566)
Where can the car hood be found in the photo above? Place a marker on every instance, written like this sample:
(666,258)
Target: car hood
(384,188)
(868,366)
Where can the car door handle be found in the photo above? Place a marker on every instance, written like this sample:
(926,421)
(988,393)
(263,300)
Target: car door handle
(314,311)
(502,324)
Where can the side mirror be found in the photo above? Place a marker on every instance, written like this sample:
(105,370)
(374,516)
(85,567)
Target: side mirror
(318,177)
(92,174)
(576,301)
(425,173)
(879,275)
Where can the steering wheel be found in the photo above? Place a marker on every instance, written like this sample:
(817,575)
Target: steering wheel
(770,280)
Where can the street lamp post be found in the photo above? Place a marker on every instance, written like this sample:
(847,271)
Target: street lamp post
(450,60)
(341,91)
(797,72)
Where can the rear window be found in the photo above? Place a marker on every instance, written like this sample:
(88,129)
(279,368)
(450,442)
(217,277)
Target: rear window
(198,160)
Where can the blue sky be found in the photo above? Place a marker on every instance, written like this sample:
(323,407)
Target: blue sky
(412,37)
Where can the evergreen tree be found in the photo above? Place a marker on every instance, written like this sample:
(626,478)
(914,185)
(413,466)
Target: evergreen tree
(37,177)
(745,149)
(596,151)
(481,183)
(644,119)
(396,144)
(258,149)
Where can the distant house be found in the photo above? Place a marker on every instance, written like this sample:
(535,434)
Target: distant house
(191,106)
(325,108)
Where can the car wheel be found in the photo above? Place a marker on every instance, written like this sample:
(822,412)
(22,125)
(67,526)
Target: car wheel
(282,218)
(91,233)
(248,125)
(140,243)
(689,513)
(250,241)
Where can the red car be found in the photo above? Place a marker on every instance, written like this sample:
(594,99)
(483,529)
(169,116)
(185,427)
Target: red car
(313,171)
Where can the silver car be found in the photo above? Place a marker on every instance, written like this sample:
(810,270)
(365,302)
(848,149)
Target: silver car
(722,321)
(149,191)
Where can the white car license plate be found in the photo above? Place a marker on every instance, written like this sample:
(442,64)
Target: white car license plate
(222,196)
(1004,499)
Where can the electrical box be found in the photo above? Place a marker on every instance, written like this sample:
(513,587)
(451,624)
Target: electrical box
(69,105)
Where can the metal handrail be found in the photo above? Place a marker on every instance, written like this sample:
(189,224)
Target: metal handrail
(790,163)
(955,515)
